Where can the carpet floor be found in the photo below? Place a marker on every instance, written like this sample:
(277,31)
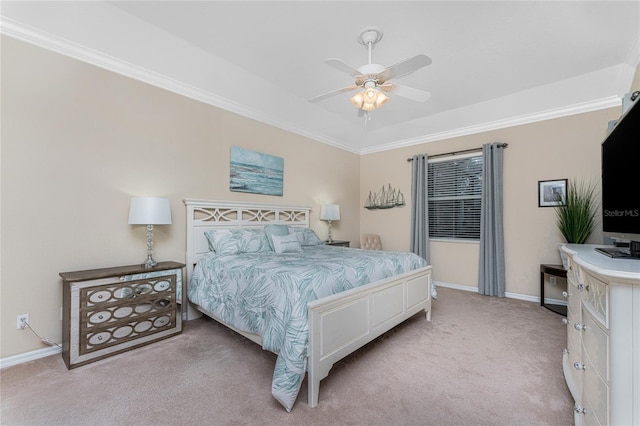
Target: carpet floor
(480,361)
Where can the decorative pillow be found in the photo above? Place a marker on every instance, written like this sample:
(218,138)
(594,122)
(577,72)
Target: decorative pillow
(286,244)
(224,241)
(278,230)
(253,241)
(306,236)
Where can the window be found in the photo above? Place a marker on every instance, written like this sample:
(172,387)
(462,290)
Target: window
(454,196)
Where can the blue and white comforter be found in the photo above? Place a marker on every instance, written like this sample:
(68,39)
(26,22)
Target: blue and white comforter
(267,294)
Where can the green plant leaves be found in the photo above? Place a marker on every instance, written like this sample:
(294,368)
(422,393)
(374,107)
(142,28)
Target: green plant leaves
(577,216)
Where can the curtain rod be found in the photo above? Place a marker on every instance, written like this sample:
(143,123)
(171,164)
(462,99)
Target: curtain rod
(464,151)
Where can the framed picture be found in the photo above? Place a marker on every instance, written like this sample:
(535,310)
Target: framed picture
(255,172)
(551,192)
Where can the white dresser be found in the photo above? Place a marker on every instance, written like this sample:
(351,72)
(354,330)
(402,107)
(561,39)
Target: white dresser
(601,363)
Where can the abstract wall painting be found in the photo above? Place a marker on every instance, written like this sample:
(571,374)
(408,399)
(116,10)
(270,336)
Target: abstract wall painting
(255,172)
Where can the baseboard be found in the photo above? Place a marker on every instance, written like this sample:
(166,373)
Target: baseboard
(510,295)
(28,356)
(456,286)
(41,353)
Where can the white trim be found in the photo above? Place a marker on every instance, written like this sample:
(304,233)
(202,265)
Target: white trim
(596,105)
(508,295)
(456,286)
(29,356)
(65,47)
(82,53)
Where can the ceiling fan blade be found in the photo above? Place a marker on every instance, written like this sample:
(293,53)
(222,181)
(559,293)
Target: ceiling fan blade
(406,92)
(332,93)
(341,66)
(404,67)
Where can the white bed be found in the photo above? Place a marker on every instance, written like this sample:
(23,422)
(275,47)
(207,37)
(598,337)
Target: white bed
(338,324)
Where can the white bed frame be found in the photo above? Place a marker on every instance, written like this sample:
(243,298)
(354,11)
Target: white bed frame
(338,324)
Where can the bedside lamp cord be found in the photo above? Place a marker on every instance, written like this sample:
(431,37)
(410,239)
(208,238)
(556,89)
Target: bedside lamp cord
(44,340)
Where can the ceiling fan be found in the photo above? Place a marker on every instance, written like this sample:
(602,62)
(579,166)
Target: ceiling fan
(373,79)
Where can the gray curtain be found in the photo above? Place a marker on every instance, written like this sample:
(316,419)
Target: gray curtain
(491,280)
(419,207)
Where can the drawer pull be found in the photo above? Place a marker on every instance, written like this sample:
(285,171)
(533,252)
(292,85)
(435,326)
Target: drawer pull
(579,366)
(565,294)
(580,327)
(583,287)
(565,321)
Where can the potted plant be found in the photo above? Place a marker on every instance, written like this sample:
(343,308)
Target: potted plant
(577,214)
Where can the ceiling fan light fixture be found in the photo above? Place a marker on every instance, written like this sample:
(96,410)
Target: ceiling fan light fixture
(370,95)
(368,99)
(357,100)
(371,79)
(368,107)
(381,99)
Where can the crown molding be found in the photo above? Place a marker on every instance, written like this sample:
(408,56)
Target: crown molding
(25,33)
(28,34)
(580,108)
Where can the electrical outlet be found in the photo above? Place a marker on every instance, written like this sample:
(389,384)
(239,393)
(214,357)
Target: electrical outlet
(21,320)
(553,280)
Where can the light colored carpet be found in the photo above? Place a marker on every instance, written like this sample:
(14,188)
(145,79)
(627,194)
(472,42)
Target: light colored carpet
(481,361)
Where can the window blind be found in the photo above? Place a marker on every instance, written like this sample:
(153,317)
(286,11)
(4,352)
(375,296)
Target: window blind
(454,197)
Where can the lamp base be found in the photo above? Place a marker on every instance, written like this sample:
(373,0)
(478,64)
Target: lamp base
(329,239)
(150,263)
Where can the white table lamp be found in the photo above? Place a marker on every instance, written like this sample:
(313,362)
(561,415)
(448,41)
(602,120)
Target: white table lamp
(330,212)
(149,211)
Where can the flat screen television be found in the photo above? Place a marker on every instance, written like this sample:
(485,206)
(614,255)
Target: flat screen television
(621,180)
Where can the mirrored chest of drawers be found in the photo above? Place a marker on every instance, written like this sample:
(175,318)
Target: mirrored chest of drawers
(112,310)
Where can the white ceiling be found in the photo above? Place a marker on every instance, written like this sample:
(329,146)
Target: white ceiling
(495,63)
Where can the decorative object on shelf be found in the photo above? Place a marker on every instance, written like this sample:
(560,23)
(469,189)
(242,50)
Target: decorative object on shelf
(149,211)
(330,212)
(255,172)
(577,212)
(551,192)
(385,198)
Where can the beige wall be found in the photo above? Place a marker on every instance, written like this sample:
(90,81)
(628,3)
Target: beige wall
(78,142)
(566,147)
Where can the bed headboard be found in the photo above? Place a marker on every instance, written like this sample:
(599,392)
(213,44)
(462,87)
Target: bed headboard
(204,215)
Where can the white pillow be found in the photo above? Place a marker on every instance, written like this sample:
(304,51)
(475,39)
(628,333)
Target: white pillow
(286,244)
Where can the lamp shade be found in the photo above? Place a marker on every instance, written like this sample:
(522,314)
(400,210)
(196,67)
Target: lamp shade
(149,211)
(330,212)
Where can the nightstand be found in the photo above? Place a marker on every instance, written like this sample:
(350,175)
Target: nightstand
(338,243)
(112,310)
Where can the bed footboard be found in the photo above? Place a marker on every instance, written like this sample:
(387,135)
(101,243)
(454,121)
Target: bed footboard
(342,323)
